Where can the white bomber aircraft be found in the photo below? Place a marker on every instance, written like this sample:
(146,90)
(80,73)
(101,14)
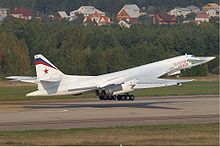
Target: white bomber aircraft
(113,86)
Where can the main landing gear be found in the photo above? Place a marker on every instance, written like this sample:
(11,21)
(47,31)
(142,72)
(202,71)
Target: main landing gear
(118,97)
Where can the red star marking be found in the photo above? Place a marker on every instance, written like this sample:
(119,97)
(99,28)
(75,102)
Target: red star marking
(46,71)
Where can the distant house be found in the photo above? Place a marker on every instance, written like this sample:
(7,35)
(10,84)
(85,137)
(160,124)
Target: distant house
(129,13)
(164,18)
(22,13)
(124,24)
(180,11)
(194,9)
(63,14)
(213,12)
(104,20)
(2,18)
(86,10)
(97,18)
(202,17)
(210,6)
(3,13)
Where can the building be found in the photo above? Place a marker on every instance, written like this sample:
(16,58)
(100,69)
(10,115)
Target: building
(3,13)
(98,18)
(164,18)
(210,6)
(2,18)
(63,14)
(213,12)
(86,10)
(194,9)
(129,13)
(200,18)
(124,24)
(104,20)
(180,11)
(22,13)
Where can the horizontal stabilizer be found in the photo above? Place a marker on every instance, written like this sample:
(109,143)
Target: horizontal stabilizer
(34,79)
(26,79)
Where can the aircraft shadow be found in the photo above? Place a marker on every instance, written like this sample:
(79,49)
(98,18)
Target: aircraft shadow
(149,105)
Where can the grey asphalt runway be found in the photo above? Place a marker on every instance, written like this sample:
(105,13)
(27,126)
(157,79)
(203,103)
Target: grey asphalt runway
(90,112)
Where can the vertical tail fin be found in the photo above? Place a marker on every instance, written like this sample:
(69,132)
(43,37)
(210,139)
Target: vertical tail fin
(44,68)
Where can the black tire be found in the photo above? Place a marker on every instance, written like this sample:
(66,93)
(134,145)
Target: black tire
(106,98)
(131,98)
(124,97)
(128,97)
(101,98)
(114,97)
(119,98)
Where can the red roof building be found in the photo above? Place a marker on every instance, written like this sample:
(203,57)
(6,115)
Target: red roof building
(164,18)
(129,13)
(98,18)
(104,20)
(202,17)
(23,13)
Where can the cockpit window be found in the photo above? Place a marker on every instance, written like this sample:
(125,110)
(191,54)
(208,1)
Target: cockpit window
(193,56)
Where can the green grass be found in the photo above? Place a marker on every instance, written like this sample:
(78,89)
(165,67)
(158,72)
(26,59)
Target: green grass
(19,92)
(179,134)
(13,93)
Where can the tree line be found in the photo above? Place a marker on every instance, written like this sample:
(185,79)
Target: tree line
(93,50)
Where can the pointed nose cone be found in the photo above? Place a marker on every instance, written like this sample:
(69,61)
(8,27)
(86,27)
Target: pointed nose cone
(206,59)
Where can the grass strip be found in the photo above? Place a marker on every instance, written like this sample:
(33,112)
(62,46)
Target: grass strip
(178,134)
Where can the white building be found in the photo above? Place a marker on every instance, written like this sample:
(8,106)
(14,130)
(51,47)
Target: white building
(213,12)
(194,9)
(63,14)
(4,12)
(124,24)
(86,10)
(180,11)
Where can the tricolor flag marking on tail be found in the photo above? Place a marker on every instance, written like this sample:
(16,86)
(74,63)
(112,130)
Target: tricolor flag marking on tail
(41,61)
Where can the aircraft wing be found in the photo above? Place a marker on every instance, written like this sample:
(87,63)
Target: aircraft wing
(159,83)
(26,79)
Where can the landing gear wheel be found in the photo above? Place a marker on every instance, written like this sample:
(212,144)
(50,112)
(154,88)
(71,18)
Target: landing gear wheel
(127,97)
(124,97)
(131,97)
(119,97)
(106,98)
(114,97)
(101,98)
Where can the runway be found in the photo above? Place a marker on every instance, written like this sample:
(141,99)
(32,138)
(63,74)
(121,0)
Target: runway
(90,112)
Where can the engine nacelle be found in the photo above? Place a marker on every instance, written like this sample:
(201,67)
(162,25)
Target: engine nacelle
(126,88)
(114,90)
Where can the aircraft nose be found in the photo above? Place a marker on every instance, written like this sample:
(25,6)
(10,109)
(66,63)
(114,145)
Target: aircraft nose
(207,59)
